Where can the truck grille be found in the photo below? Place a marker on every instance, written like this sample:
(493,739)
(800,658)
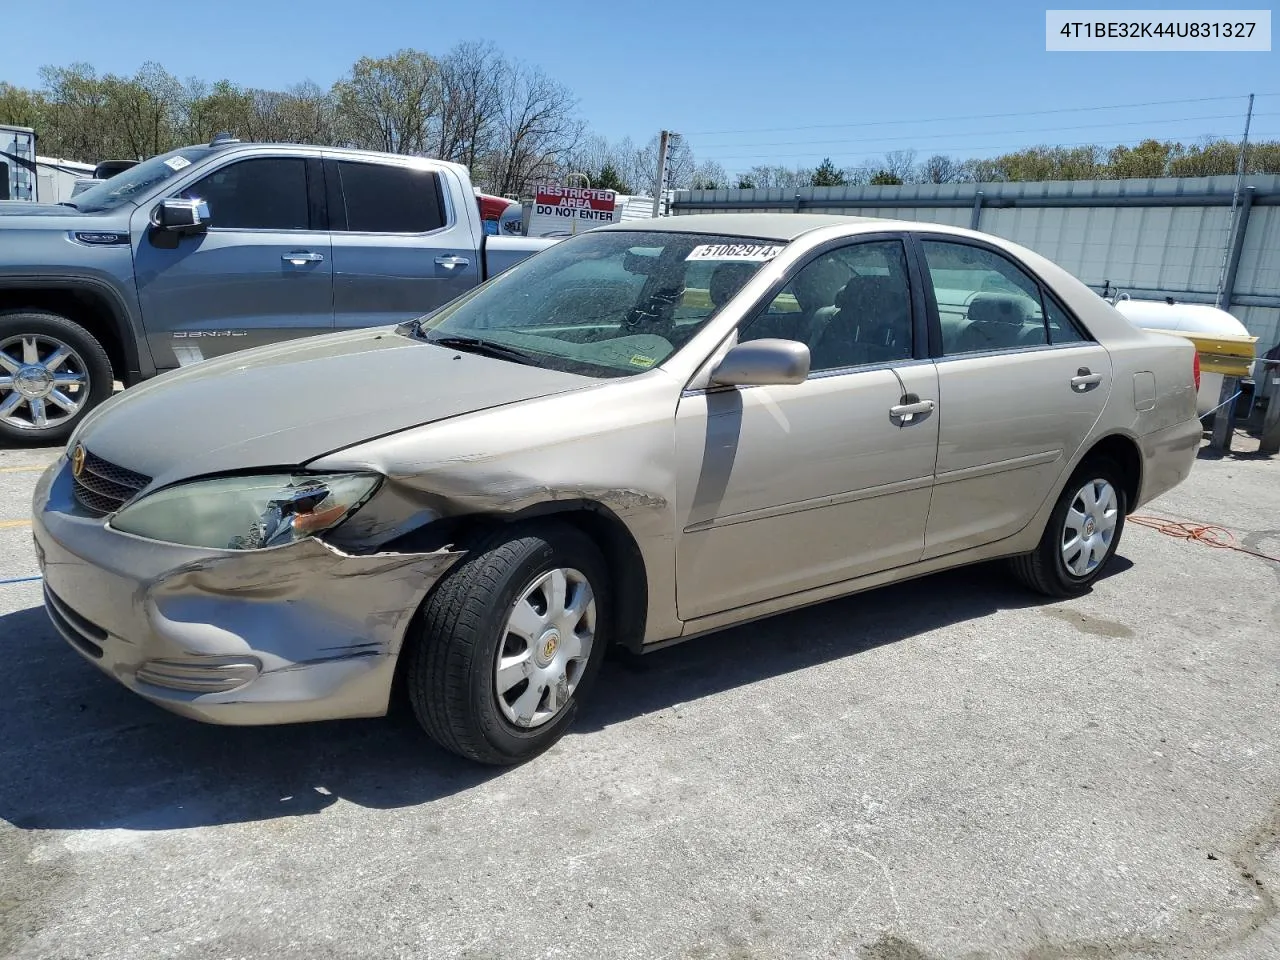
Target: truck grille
(103,487)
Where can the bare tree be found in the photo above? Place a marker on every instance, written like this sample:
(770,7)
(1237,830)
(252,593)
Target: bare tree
(901,164)
(709,175)
(536,130)
(764,176)
(940,168)
(470,101)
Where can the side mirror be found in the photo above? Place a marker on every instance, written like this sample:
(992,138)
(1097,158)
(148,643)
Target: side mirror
(763,363)
(181,216)
(175,218)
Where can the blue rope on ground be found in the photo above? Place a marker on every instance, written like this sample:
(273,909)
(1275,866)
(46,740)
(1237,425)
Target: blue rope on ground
(20,580)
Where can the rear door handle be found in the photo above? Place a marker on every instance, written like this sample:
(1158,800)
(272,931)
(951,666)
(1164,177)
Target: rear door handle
(299,257)
(907,412)
(452,263)
(1083,380)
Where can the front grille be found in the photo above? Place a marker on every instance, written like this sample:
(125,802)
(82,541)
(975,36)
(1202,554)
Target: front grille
(103,487)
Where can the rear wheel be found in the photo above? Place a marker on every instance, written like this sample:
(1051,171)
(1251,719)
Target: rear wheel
(52,372)
(1082,534)
(509,642)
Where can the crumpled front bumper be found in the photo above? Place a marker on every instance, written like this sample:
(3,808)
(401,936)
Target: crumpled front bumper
(294,633)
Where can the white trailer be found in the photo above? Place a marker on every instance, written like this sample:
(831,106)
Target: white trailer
(56,178)
(17,163)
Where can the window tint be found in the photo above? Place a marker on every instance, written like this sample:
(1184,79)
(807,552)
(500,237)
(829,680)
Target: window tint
(387,199)
(852,306)
(985,301)
(1061,327)
(269,193)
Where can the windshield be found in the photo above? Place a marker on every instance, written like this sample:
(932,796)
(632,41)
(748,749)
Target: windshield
(607,304)
(136,180)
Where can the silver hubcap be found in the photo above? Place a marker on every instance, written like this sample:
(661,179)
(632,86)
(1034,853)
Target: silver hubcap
(1090,527)
(43,382)
(545,647)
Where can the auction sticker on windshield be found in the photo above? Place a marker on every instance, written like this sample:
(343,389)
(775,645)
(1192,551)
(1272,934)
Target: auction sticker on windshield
(177,163)
(745,252)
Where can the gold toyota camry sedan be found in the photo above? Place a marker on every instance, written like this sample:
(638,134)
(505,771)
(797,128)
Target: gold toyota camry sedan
(645,432)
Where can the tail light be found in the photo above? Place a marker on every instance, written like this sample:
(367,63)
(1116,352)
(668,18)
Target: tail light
(1195,369)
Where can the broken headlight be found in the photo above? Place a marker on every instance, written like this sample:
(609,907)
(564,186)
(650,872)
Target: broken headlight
(247,513)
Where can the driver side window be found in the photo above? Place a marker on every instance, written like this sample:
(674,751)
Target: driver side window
(851,306)
(265,193)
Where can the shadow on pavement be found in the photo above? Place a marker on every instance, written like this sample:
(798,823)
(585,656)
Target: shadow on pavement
(81,752)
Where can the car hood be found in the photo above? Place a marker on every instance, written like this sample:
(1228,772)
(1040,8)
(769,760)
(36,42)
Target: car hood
(286,404)
(25,208)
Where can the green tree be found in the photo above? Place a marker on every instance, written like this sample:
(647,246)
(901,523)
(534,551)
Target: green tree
(20,107)
(746,182)
(609,179)
(828,176)
(1263,157)
(1210,159)
(883,178)
(1150,158)
(389,103)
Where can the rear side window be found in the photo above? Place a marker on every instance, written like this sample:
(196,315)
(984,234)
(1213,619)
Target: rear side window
(985,301)
(267,193)
(1061,329)
(380,198)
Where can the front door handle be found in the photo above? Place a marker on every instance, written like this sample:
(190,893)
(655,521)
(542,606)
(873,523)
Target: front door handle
(452,263)
(908,411)
(299,257)
(1083,380)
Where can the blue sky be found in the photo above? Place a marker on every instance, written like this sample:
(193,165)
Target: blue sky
(747,82)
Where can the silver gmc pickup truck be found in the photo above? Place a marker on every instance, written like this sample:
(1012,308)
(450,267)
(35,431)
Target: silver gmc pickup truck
(210,249)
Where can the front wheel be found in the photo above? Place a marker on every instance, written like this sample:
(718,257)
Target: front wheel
(52,372)
(509,642)
(1081,536)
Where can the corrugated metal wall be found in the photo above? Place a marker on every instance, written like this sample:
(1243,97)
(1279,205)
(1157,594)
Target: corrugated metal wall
(1133,234)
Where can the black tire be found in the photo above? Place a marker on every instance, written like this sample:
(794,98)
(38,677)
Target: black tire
(455,641)
(1044,569)
(97,368)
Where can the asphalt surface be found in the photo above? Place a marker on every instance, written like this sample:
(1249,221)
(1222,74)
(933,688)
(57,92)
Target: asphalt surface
(945,769)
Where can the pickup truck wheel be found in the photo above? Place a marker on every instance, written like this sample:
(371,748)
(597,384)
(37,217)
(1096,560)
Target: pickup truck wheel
(509,642)
(1082,533)
(52,372)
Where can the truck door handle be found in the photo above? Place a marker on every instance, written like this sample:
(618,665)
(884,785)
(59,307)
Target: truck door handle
(299,257)
(1083,380)
(451,263)
(910,408)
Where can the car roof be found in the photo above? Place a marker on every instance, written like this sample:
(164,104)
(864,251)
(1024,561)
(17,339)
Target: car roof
(760,226)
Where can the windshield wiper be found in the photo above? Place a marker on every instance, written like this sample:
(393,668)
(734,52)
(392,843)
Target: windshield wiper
(485,348)
(68,203)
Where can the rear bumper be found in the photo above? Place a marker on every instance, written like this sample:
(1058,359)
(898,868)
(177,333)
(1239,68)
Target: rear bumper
(1167,458)
(296,633)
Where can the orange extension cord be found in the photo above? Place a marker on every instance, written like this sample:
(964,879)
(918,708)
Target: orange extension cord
(1209,534)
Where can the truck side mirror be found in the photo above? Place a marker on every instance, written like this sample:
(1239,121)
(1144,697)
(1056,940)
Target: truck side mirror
(175,218)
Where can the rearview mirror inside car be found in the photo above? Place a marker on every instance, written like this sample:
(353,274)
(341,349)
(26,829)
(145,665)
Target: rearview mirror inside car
(763,362)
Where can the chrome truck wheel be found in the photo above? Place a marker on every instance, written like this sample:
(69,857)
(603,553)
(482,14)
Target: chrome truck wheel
(43,382)
(52,372)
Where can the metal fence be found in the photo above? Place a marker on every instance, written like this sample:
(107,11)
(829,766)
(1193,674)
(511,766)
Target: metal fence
(1157,238)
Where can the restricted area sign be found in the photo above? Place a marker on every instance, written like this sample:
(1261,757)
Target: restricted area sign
(559,209)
